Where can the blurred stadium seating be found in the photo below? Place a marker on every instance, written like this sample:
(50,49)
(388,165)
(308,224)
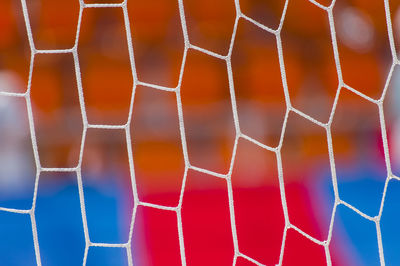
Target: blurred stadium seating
(158,46)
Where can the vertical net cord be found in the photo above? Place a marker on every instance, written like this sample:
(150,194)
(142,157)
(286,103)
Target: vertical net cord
(239,135)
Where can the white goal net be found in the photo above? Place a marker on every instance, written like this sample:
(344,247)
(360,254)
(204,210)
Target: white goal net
(228,133)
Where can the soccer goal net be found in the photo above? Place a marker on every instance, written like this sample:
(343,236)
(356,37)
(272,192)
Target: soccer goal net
(184,132)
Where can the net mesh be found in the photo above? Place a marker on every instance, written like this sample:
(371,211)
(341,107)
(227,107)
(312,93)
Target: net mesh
(227,58)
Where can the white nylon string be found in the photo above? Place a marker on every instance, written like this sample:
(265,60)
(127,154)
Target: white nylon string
(226,176)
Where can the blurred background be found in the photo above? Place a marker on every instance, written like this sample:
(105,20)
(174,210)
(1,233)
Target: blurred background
(107,82)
